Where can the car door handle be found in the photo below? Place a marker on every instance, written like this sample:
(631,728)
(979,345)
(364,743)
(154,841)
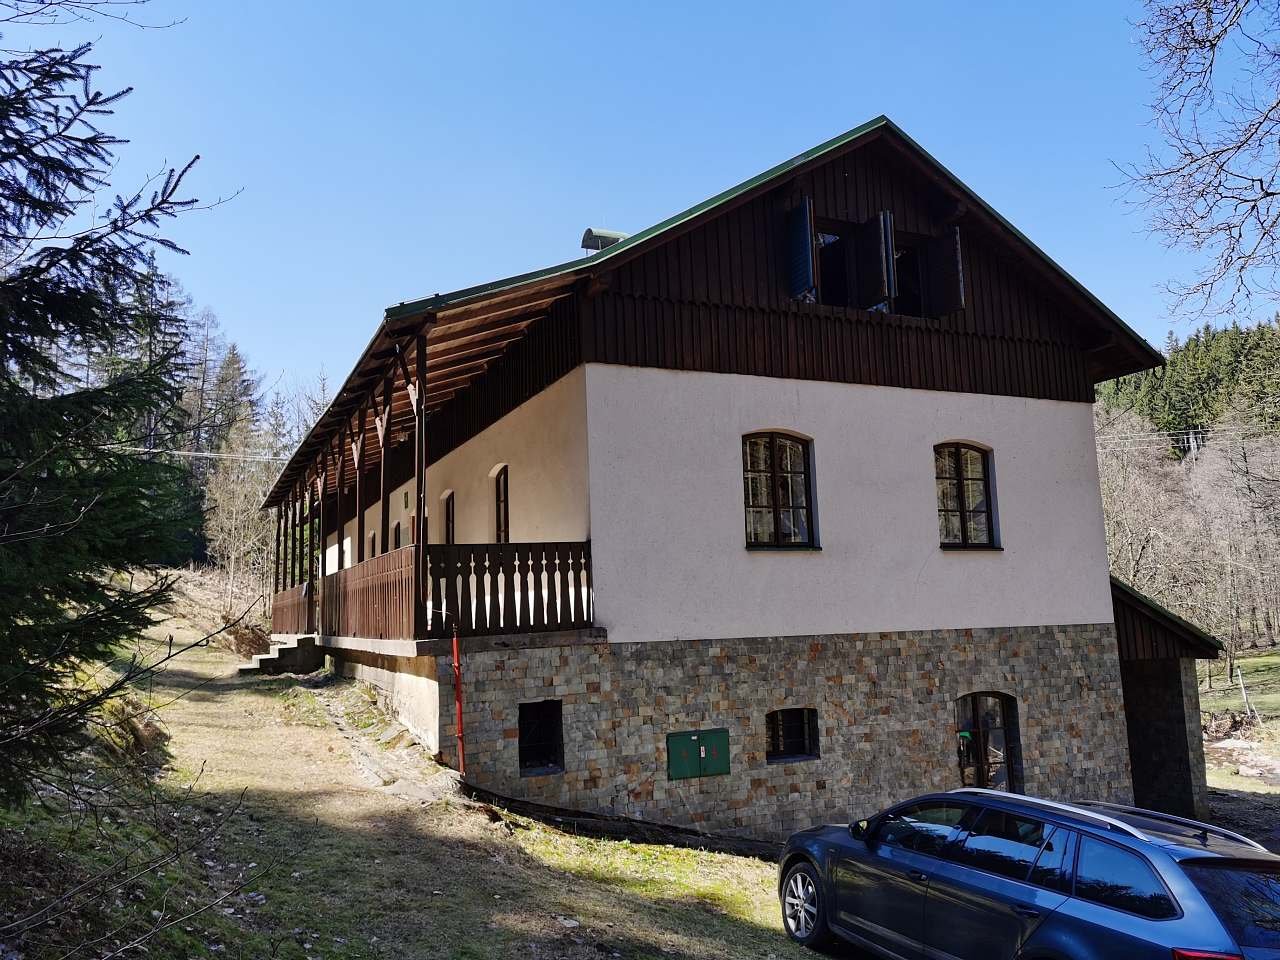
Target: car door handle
(918,875)
(1029,913)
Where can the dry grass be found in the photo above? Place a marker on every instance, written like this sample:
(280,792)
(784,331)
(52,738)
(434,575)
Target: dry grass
(360,872)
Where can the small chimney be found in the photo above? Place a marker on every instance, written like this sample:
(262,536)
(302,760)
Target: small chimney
(595,240)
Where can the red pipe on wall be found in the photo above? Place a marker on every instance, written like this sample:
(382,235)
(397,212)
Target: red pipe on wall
(457,697)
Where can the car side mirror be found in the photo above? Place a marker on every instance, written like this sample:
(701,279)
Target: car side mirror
(861,831)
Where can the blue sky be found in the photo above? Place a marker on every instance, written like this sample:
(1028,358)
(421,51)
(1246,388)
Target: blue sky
(384,152)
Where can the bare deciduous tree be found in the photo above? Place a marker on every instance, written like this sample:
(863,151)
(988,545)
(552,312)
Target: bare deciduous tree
(1213,183)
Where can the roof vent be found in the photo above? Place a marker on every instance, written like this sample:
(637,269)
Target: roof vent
(594,240)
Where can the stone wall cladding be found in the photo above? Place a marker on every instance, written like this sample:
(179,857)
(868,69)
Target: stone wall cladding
(886,708)
(1195,736)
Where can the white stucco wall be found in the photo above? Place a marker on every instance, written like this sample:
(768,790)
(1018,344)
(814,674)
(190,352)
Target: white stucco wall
(667,525)
(543,442)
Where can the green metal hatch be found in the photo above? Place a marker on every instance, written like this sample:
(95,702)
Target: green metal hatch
(698,753)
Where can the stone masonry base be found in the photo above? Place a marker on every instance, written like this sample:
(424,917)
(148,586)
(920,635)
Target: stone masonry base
(886,714)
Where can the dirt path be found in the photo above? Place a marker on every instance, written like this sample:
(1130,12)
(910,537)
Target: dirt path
(366,870)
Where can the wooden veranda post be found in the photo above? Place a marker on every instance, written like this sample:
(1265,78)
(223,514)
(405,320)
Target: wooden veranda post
(322,486)
(419,473)
(342,477)
(357,459)
(275,559)
(294,521)
(384,441)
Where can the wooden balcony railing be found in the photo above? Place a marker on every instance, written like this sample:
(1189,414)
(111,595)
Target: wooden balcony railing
(495,588)
(373,599)
(291,611)
(487,588)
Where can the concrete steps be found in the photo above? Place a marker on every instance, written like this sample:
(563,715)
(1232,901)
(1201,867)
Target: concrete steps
(297,655)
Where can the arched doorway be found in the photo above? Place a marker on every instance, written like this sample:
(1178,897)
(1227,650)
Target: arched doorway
(988,747)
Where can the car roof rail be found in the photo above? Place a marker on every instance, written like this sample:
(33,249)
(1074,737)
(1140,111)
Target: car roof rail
(1206,828)
(1075,811)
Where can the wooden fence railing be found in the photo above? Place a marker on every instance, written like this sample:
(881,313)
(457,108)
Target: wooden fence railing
(291,611)
(488,588)
(493,588)
(374,599)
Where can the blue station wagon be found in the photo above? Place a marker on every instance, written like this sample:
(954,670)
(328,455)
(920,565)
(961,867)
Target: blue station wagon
(984,875)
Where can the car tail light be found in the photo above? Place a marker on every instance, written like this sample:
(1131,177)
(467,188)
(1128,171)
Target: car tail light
(1204,955)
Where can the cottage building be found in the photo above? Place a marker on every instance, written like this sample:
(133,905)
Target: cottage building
(773,513)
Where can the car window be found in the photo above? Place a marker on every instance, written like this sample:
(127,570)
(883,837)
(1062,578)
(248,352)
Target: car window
(1246,897)
(923,827)
(1053,867)
(1114,877)
(1003,843)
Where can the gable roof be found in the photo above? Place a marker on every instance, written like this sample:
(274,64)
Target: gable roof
(498,312)
(660,232)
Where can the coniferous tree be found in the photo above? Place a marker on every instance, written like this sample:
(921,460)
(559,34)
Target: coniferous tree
(89,375)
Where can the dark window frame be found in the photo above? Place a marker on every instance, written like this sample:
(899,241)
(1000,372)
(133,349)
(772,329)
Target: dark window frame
(777,749)
(542,754)
(450,531)
(978,748)
(955,451)
(775,480)
(395,536)
(501,506)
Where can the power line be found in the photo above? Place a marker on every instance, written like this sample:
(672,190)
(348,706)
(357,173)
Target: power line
(202,455)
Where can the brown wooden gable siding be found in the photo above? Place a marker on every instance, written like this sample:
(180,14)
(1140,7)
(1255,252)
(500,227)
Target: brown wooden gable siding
(1144,632)
(714,298)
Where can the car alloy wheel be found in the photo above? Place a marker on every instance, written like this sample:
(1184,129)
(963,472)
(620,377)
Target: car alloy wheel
(800,905)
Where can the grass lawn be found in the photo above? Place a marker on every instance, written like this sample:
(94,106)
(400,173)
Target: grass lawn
(354,870)
(1262,678)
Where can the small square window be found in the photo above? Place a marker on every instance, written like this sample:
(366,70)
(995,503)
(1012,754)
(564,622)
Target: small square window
(541,738)
(792,735)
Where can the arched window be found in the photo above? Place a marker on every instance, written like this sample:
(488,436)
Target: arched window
(988,748)
(777,490)
(450,534)
(395,536)
(965,507)
(501,507)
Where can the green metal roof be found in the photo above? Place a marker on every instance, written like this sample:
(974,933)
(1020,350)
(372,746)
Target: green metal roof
(880,124)
(441,300)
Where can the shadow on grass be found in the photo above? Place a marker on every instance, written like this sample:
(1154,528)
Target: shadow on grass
(393,879)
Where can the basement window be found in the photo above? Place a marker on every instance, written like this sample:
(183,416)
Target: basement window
(792,735)
(541,738)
